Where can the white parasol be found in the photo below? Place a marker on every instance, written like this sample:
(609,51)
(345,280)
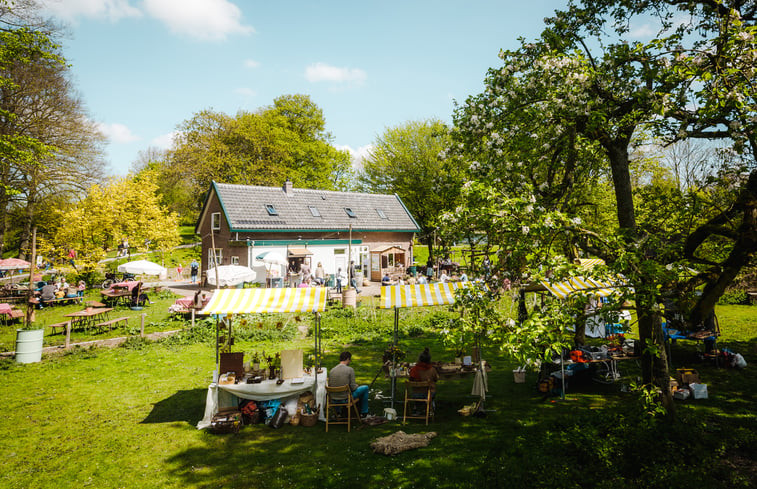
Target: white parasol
(231,275)
(272,258)
(143,267)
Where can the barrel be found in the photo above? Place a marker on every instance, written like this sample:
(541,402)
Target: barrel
(29,345)
(349,298)
(412,270)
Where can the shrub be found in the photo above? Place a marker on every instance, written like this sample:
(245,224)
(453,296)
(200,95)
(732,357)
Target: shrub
(734,297)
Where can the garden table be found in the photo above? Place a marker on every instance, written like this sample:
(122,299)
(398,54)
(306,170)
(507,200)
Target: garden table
(89,317)
(225,395)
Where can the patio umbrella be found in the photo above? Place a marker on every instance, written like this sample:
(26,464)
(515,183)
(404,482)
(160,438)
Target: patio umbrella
(231,275)
(272,258)
(143,267)
(14,264)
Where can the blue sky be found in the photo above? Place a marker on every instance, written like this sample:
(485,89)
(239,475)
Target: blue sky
(144,66)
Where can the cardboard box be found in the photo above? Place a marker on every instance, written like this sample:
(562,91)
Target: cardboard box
(682,394)
(291,364)
(687,376)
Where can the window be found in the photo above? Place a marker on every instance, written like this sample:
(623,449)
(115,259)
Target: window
(381,214)
(218,252)
(271,210)
(314,211)
(235,260)
(349,212)
(215,221)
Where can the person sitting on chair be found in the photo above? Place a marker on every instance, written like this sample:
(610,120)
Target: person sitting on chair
(423,371)
(386,280)
(138,298)
(47,294)
(343,374)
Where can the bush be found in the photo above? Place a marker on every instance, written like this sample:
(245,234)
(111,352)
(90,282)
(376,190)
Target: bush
(734,297)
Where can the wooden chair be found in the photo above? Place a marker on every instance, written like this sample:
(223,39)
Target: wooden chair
(418,392)
(348,403)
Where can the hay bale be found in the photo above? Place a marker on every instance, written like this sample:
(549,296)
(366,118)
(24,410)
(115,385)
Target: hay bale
(400,441)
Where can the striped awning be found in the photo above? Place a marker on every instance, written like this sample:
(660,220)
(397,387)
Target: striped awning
(589,286)
(419,295)
(246,301)
(586,264)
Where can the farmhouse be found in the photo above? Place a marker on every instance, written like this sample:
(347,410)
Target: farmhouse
(239,223)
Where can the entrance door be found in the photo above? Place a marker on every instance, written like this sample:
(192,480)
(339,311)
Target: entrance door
(340,260)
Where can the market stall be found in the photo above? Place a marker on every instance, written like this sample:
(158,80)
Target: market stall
(225,304)
(399,296)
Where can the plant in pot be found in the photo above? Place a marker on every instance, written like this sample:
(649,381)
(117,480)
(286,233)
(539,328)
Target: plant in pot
(255,361)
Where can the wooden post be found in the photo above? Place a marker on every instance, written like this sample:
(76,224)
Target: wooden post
(29,305)
(142,325)
(68,335)
(193,316)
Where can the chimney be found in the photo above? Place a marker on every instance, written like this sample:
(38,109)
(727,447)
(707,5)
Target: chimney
(288,187)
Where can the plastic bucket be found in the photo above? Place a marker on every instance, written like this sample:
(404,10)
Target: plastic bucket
(519,376)
(29,345)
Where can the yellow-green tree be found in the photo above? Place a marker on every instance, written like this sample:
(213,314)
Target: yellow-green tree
(122,208)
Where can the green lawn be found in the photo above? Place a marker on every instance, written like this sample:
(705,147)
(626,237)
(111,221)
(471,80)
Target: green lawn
(125,418)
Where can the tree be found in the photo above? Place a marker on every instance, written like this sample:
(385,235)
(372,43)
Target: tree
(123,208)
(285,140)
(50,147)
(603,101)
(409,160)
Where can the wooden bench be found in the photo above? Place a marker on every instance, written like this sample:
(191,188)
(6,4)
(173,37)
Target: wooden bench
(62,327)
(61,300)
(112,323)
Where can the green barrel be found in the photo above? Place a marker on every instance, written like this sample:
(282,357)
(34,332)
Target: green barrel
(29,345)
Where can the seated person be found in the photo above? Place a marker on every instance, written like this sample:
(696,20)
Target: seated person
(386,279)
(48,293)
(423,371)
(422,280)
(343,374)
(72,292)
(138,298)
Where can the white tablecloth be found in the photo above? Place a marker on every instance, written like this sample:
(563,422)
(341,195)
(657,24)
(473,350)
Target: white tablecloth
(224,395)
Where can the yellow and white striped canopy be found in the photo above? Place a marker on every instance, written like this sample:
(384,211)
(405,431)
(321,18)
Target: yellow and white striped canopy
(246,301)
(589,286)
(419,295)
(588,263)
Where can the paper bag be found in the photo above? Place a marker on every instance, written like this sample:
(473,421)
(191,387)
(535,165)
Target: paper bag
(291,364)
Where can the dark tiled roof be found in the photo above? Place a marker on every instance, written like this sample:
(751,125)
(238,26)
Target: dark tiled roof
(245,208)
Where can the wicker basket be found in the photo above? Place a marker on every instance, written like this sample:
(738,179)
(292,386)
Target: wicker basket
(309,419)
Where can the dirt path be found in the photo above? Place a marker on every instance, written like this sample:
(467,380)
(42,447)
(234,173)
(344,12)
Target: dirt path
(109,342)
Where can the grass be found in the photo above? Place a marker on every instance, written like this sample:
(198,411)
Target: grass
(125,417)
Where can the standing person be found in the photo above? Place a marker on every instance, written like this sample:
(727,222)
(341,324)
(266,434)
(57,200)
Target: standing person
(429,269)
(353,274)
(179,269)
(343,374)
(320,274)
(194,267)
(340,277)
(305,271)
(81,288)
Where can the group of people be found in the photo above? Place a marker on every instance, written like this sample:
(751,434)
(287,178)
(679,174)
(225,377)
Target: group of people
(343,374)
(318,278)
(59,289)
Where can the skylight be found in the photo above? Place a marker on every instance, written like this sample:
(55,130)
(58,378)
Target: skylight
(349,212)
(271,210)
(381,213)
(314,211)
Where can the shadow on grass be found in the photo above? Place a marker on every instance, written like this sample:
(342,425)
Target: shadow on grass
(181,406)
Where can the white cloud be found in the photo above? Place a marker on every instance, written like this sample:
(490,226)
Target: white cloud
(112,10)
(644,31)
(322,72)
(358,155)
(164,141)
(247,92)
(251,63)
(117,133)
(208,20)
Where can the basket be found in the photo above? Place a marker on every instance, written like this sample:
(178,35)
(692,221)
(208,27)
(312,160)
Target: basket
(519,376)
(309,419)
(226,421)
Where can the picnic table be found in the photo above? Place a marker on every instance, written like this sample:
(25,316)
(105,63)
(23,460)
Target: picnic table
(115,296)
(89,317)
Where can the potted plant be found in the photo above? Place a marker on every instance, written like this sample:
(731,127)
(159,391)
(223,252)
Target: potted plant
(255,361)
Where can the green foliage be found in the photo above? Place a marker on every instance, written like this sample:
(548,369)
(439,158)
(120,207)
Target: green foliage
(734,297)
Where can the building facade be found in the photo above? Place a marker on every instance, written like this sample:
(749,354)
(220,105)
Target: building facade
(240,223)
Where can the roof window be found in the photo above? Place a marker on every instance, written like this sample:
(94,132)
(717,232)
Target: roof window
(271,210)
(381,213)
(314,211)
(349,212)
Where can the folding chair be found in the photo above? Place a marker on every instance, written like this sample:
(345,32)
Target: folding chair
(418,392)
(338,404)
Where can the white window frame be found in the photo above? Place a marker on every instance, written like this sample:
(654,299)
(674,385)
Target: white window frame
(215,221)
(235,260)
(219,257)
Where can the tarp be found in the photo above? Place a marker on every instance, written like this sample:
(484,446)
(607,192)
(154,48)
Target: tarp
(247,301)
(419,295)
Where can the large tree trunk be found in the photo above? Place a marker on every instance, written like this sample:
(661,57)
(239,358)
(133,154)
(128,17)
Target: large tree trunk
(654,357)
